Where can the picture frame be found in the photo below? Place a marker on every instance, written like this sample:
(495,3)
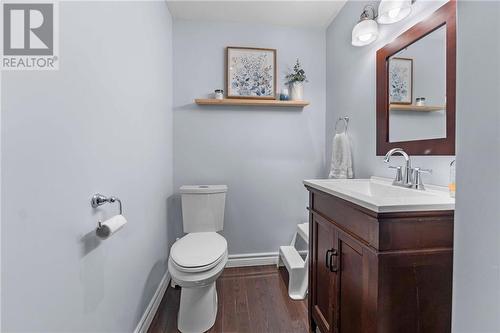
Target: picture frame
(400,81)
(251,73)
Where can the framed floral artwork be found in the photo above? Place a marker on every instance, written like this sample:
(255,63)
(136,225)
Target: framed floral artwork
(250,73)
(400,81)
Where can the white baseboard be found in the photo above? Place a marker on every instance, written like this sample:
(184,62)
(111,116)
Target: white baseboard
(255,259)
(152,308)
(252,259)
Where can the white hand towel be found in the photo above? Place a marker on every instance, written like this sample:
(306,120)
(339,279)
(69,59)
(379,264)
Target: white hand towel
(341,165)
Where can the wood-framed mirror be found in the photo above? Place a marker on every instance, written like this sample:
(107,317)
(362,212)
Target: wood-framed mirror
(416,76)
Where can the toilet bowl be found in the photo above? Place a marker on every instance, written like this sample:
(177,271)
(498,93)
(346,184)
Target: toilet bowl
(198,259)
(195,263)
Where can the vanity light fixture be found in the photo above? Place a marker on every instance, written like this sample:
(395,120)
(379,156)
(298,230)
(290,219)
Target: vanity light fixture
(392,11)
(366,30)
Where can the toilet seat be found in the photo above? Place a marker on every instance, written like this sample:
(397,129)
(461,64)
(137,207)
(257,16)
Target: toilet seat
(198,252)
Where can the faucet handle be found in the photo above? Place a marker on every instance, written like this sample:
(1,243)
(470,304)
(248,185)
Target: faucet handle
(399,173)
(420,170)
(418,177)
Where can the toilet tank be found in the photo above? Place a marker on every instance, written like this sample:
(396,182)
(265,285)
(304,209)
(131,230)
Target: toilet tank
(203,207)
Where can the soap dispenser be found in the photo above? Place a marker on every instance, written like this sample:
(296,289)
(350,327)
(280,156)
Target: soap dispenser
(452,184)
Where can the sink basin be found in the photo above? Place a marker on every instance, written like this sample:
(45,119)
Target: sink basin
(379,195)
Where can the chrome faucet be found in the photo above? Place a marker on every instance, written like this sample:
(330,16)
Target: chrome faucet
(411,178)
(401,179)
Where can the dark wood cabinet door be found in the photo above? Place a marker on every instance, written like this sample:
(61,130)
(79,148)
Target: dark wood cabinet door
(322,278)
(417,292)
(354,296)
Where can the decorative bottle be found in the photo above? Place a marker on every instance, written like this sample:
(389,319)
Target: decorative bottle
(452,184)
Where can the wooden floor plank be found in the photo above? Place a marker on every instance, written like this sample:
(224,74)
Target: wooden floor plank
(251,300)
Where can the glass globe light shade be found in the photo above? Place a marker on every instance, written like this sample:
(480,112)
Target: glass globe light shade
(392,11)
(364,33)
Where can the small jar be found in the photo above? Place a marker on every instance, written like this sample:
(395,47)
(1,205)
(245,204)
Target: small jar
(420,101)
(219,94)
(284,95)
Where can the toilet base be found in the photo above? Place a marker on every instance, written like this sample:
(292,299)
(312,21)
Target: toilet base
(198,309)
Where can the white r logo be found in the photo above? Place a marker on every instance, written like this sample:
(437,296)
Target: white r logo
(28,29)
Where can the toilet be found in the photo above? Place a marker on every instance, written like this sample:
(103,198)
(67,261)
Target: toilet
(198,259)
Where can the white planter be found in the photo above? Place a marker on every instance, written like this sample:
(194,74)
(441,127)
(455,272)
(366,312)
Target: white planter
(297,91)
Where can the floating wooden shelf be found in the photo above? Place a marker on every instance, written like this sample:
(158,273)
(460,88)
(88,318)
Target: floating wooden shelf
(250,102)
(410,107)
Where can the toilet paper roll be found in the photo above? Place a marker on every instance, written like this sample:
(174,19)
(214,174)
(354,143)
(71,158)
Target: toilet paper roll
(109,227)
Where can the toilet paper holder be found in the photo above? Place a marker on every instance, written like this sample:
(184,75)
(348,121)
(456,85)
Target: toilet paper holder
(99,200)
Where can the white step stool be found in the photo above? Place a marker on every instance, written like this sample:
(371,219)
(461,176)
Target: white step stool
(296,266)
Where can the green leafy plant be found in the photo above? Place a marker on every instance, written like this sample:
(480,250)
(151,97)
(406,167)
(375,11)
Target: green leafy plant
(297,74)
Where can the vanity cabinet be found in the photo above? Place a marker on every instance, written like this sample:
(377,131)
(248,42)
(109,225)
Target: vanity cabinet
(378,272)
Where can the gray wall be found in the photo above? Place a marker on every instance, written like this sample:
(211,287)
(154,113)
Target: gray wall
(262,154)
(103,122)
(350,90)
(476,291)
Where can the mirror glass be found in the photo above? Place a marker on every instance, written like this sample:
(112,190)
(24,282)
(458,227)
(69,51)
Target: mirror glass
(417,89)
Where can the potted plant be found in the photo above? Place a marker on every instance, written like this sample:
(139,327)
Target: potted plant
(295,79)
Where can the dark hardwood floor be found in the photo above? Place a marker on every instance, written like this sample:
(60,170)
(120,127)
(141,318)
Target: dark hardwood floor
(251,299)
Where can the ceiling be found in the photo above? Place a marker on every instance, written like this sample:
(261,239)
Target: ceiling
(288,13)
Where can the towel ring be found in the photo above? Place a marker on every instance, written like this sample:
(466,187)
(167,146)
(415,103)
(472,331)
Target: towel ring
(346,124)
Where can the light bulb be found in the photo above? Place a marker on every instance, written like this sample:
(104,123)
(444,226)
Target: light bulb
(365,37)
(394,12)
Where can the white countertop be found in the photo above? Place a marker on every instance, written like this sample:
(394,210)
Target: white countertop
(379,195)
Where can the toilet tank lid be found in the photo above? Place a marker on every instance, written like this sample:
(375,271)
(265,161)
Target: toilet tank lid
(203,189)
